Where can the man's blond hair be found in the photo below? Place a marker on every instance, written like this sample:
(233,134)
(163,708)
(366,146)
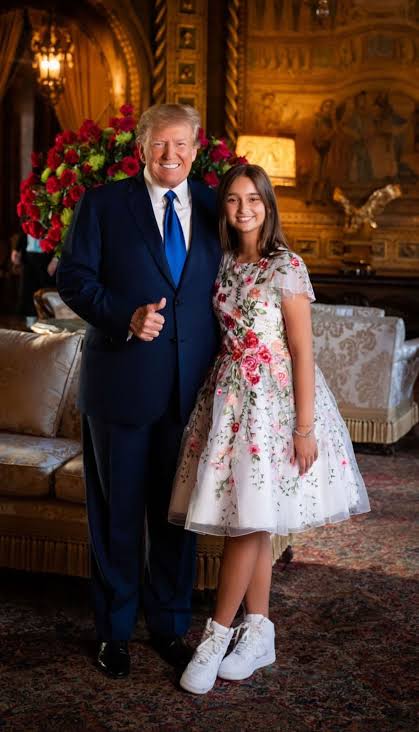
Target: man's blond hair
(162,115)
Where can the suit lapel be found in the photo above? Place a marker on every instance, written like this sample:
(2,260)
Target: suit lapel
(141,208)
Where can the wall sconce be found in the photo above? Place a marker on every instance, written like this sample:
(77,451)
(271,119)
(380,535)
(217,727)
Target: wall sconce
(275,154)
(52,50)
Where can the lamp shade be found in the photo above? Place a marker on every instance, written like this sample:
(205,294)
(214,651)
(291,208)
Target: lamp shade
(275,154)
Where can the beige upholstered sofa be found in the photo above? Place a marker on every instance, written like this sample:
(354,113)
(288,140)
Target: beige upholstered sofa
(370,368)
(42,502)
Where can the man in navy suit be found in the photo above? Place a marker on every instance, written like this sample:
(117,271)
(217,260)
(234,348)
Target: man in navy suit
(139,265)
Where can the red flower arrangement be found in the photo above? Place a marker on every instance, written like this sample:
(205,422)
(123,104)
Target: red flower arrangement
(91,157)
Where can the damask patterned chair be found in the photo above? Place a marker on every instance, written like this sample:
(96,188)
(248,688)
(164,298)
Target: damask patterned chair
(370,368)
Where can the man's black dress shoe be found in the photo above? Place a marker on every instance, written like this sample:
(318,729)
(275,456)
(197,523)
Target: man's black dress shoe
(173,649)
(113,658)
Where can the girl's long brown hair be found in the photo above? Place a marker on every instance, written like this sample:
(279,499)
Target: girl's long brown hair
(271,237)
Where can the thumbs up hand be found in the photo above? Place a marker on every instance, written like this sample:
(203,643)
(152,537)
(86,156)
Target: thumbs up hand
(146,322)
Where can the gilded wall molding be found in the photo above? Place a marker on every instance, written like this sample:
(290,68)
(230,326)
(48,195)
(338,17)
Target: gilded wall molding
(186,53)
(232,71)
(131,39)
(159,68)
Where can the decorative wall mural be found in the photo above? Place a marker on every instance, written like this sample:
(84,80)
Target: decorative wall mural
(368,139)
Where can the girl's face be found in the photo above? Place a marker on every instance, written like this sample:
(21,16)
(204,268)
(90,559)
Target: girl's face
(244,208)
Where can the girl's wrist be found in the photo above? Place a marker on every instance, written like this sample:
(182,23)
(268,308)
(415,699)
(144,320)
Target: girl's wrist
(306,432)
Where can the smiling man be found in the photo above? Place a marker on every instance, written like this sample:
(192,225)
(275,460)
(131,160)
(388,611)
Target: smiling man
(139,265)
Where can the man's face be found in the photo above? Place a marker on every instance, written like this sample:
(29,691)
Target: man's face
(169,153)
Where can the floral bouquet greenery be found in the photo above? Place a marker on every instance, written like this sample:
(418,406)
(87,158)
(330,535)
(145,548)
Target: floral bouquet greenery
(91,157)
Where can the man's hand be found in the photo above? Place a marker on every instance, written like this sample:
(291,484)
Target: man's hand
(146,322)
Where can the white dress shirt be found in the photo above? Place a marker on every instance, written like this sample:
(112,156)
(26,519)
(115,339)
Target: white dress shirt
(182,204)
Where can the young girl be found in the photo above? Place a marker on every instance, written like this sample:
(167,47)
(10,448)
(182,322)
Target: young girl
(266,450)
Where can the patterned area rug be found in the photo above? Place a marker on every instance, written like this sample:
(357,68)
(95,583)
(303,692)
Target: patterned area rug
(344,610)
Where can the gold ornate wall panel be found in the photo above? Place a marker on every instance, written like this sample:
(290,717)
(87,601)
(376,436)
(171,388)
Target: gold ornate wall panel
(347,89)
(128,52)
(186,59)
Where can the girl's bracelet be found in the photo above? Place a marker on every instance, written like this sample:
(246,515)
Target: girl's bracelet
(303,434)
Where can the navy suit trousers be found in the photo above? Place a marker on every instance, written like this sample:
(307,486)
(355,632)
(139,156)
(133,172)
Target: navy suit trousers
(129,472)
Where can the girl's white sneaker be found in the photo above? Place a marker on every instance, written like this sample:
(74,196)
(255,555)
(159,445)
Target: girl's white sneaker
(255,648)
(201,672)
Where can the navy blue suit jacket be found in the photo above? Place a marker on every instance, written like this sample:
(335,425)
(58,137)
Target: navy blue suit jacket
(113,262)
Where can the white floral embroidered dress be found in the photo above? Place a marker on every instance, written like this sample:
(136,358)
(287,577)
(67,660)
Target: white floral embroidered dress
(234,474)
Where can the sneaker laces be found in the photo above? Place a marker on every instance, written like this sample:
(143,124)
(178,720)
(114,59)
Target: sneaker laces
(248,635)
(211,644)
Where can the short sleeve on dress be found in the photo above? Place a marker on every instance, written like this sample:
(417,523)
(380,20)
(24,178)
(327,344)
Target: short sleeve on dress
(290,276)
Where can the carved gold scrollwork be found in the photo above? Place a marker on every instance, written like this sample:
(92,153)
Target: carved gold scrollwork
(159,70)
(231,107)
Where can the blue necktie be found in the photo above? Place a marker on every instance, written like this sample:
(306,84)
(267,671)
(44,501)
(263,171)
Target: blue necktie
(174,241)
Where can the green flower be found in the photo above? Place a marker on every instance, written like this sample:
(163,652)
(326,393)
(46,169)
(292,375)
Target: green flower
(46,174)
(120,175)
(96,161)
(60,170)
(66,216)
(123,137)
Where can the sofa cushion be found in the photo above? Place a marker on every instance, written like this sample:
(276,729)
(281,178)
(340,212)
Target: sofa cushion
(70,425)
(69,483)
(27,464)
(35,374)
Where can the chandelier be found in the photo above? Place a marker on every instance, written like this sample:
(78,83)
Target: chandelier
(52,50)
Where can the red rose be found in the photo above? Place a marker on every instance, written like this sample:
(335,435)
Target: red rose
(251,340)
(20,209)
(35,160)
(211,179)
(235,426)
(130,165)
(76,192)
(32,211)
(35,229)
(56,220)
(68,201)
(127,124)
(89,131)
(53,184)
(47,245)
(295,262)
(71,156)
(54,233)
(126,110)
(25,227)
(68,177)
(203,139)
(114,122)
(68,137)
(86,168)
(28,196)
(29,181)
(54,159)
(238,160)
(113,169)
(220,152)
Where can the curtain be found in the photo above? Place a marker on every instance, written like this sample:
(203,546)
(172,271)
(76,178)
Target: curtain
(87,93)
(11,25)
